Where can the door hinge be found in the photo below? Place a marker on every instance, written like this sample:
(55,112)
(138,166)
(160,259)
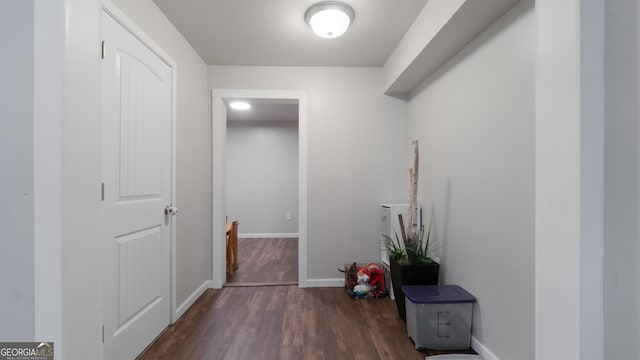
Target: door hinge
(103,51)
(103,334)
(102,191)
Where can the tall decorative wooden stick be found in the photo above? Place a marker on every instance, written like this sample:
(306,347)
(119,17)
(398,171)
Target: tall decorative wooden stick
(413,193)
(410,206)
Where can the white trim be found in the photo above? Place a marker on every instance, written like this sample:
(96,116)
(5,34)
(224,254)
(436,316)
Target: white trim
(180,310)
(218,168)
(173,219)
(321,283)
(47,183)
(218,188)
(569,178)
(482,350)
(302,188)
(112,10)
(268,235)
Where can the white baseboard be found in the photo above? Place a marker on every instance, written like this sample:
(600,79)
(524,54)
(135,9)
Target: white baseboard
(482,350)
(268,236)
(325,282)
(180,310)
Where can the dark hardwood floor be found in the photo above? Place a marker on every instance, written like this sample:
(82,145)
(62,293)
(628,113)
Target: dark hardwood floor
(283,322)
(266,261)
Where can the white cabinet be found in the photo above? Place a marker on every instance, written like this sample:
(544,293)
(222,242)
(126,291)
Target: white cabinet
(390,227)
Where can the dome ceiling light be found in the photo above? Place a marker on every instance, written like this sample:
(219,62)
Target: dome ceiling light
(329,19)
(240,105)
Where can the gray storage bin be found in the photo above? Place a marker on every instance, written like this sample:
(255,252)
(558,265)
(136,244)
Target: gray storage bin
(439,316)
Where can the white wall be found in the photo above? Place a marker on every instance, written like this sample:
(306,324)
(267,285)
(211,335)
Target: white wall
(622,180)
(17,173)
(474,118)
(262,177)
(48,89)
(193,193)
(356,155)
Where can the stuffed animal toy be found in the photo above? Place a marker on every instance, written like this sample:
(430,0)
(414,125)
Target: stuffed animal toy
(365,282)
(376,278)
(363,277)
(361,290)
(377,281)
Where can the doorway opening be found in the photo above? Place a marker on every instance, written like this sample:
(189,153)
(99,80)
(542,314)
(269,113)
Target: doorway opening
(220,185)
(262,190)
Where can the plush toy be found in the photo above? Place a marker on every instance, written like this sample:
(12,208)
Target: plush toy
(363,277)
(371,275)
(376,278)
(361,290)
(377,281)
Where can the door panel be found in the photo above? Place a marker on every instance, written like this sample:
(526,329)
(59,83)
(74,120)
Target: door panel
(136,126)
(140,269)
(140,137)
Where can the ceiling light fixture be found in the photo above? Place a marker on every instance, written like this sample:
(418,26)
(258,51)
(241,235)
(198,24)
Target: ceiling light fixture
(329,19)
(240,105)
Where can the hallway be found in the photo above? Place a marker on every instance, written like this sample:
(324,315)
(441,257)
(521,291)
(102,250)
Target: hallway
(254,318)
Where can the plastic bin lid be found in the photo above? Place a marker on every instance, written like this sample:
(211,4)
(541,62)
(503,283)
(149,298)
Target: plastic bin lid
(437,294)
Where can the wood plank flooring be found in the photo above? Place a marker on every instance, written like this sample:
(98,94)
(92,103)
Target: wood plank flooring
(283,322)
(266,261)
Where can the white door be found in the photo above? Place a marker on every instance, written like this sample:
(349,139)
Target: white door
(136,125)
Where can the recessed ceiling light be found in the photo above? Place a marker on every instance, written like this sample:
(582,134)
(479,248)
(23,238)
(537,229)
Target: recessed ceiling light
(240,105)
(329,19)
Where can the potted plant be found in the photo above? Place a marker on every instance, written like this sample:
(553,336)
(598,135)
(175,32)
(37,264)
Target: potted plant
(409,257)
(411,264)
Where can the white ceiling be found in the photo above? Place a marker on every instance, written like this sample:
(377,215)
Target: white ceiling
(274,33)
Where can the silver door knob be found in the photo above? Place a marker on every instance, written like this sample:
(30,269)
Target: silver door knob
(170,210)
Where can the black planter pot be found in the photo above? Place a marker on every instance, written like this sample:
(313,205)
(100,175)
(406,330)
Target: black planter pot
(411,275)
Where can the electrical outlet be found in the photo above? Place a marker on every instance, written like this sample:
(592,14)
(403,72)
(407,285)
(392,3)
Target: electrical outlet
(288,216)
